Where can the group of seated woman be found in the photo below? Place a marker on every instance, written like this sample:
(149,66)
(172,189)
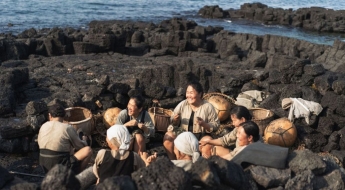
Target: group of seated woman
(193,120)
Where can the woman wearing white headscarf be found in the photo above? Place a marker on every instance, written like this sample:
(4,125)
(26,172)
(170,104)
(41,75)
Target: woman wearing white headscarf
(118,160)
(186,149)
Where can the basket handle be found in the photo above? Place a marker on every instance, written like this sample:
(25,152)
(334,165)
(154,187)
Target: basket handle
(268,113)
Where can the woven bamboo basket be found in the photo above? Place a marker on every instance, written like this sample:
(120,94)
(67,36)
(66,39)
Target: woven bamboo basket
(160,118)
(222,103)
(80,117)
(262,117)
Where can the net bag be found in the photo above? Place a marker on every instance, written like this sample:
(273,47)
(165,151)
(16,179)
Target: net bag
(222,104)
(281,132)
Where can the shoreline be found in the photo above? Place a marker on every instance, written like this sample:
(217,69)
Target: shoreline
(259,23)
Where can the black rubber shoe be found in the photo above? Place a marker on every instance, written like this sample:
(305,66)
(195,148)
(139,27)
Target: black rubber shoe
(81,134)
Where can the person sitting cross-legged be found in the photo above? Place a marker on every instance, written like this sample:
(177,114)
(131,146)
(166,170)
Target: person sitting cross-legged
(119,160)
(57,140)
(138,122)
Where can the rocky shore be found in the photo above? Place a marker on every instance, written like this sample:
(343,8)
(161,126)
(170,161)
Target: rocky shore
(113,60)
(314,19)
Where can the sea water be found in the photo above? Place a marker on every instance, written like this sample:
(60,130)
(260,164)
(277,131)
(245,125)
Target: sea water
(19,15)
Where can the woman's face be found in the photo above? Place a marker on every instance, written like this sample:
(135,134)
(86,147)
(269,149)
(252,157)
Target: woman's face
(178,154)
(192,95)
(133,109)
(242,138)
(236,121)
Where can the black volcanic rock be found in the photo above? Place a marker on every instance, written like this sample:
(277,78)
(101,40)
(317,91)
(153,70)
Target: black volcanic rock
(313,18)
(151,177)
(5,176)
(60,177)
(304,160)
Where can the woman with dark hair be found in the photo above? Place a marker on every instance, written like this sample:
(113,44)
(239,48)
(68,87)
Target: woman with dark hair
(238,114)
(247,133)
(138,122)
(194,115)
(57,140)
(250,149)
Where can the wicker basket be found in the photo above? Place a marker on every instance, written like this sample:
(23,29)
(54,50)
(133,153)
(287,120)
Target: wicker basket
(160,118)
(80,117)
(262,117)
(222,103)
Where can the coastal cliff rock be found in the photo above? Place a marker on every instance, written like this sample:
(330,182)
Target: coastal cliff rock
(314,18)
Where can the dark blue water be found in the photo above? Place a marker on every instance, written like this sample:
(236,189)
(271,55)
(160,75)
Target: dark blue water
(18,15)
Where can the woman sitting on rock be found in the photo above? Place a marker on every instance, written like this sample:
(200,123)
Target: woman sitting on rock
(138,123)
(57,140)
(209,146)
(118,160)
(247,133)
(194,115)
(186,149)
(250,149)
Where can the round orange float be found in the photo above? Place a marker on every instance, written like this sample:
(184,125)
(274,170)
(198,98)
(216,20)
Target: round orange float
(281,132)
(222,103)
(110,116)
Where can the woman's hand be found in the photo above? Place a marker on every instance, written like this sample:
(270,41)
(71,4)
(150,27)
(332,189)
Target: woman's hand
(200,121)
(176,119)
(143,127)
(152,158)
(143,155)
(146,158)
(131,123)
(203,143)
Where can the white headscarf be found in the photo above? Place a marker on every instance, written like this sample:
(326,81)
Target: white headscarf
(188,144)
(122,136)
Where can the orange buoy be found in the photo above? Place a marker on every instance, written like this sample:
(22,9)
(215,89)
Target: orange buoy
(281,132)
(222,106)
(110,116)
